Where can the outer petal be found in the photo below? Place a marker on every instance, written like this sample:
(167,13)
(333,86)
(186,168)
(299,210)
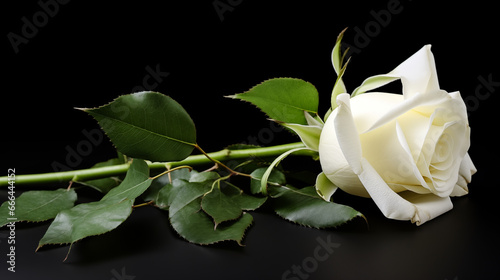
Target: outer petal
(410,103)
(419,208)
(467,169)
(429,206)
(347,133)
(418,73)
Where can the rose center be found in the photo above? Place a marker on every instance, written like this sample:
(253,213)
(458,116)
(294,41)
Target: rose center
(444,148)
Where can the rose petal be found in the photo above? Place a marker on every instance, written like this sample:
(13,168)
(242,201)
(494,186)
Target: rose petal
(408,104)
(419,208)
(410,163)
(467,169)
(429,206)
(347,135)
(418,73)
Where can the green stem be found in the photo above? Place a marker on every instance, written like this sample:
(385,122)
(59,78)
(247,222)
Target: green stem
(115,170)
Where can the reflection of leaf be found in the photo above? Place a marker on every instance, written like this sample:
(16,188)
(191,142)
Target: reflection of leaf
(102,216)
(37,206)
(147,125)
(305,207)
(283,99)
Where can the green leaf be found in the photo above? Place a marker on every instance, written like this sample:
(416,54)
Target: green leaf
(38,206)
(220,206)
(373,83)
(104,185)
(194,225)
(276,178)
(337,58)
(339,87)
(226,202)
(147,125)
(339,67)
(324,187)
(135,183)
(244,201)
(179,177)
(190,221)
(164,197)
(184,192)
(305,207)
(283,99)
(265,177)
(309,135)
(102,216)
(86,220)
(152,192)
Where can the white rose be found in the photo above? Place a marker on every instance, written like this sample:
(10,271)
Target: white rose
(407,152)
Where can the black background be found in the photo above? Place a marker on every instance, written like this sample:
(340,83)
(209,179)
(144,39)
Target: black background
(88,53)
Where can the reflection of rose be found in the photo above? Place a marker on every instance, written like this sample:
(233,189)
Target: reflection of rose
(407,152)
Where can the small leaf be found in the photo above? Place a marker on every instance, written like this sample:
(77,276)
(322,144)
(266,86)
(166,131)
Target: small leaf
(339,67)
(192,223)
(339,86)
(220,206)
(199,177)
(167,194)
(226,202)
(314,121)
(283,99)
(337,58)
(152,192)
(373,83)
(324,187)
(276,178)
(164,197)
(184,192)
(196,226)
(147,125)
(305,207)
(244,201)
(265,177)
(309,135)
(38,206)
(135,183)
